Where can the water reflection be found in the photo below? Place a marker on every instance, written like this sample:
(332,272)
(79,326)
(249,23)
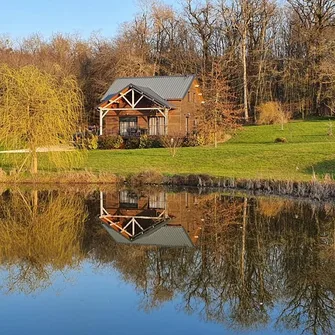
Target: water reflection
(251,254)
(132,218)
(242,261)
(40,233)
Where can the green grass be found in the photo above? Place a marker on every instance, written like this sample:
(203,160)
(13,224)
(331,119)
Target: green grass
(252,153)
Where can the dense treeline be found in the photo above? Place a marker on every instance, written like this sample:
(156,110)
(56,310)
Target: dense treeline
(265,50)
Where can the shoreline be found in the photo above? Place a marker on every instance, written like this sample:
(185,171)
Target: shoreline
(314,189)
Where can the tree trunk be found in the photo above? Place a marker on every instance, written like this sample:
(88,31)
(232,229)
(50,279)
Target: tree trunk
(34,196)
(216,121)
(244,233)
(245,79)
(33,161)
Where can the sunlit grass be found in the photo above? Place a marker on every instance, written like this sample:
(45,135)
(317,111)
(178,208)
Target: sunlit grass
(252,153)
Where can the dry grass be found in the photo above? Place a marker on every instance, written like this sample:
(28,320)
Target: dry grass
(70,177)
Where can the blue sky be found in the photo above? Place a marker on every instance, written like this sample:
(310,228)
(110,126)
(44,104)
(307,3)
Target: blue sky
(21,18)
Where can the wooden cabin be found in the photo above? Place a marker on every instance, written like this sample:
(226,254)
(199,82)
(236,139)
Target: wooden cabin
(157,218)
(158,105)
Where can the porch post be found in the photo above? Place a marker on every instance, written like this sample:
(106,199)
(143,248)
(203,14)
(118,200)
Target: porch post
(100,128)
(101,204)
(166,116)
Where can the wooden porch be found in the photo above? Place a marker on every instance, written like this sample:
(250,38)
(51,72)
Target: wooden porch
(134,126)
(133,112)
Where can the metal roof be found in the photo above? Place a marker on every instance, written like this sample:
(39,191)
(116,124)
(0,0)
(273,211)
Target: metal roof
(166,236)
(166,87)
(151,94)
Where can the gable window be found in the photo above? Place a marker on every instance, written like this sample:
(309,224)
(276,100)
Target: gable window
(156,125)
(127,125)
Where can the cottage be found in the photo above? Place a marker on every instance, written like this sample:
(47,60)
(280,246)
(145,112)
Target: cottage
(150,219)
(158,105)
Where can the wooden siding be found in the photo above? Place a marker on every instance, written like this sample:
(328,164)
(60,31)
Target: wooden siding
(187,106)
(181,207)
(181,117)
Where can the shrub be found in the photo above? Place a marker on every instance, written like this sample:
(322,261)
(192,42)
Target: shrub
(190,141)
(280,140)
(85,140)
(146,177)
(272,113)
(172,143)
(194,140)
(132,143)
(110,142)
(150,141)
(145,142)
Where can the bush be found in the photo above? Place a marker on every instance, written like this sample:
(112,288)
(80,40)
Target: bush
(280,140)
(272,113)
(110,142)
(132,143)
(172,143)
(191,141)
(146,177)
(85,140)
(150,141)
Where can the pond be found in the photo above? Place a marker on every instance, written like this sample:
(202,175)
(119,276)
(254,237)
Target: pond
(162,261)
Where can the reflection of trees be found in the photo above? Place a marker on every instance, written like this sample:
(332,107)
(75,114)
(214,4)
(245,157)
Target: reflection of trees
(250,255)
(40,232)
(232,274)
(308,267)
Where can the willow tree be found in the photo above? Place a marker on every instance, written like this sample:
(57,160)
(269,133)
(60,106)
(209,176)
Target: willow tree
(40,233)
(37,109)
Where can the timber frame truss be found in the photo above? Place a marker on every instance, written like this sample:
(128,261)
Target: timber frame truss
(132,102)
(132,229)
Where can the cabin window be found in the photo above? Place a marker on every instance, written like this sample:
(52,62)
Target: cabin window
(127,125)
(157,200)
(156,125)
(193,97)
(128,199)
(188,96)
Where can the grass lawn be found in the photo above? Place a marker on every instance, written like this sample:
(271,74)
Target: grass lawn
(252,153)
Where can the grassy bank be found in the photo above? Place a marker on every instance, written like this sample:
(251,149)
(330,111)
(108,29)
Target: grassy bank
(252,154)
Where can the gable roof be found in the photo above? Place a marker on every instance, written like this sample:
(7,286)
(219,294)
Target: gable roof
(147,92)
(162,235)
(166,87)
(151,94)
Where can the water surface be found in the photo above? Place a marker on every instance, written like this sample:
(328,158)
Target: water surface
(155,261)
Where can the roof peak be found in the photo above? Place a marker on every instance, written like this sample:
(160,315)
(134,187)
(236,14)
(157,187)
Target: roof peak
(168,76)
(168,87)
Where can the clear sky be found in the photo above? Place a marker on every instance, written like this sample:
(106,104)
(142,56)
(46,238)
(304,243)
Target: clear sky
(21,18)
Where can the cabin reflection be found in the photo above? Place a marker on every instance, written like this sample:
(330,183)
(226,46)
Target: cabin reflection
(157,218)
